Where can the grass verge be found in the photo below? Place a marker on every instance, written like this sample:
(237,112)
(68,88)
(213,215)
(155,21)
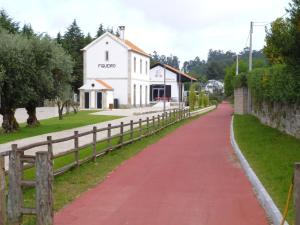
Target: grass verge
(69,121)
(271,154)
(71,184)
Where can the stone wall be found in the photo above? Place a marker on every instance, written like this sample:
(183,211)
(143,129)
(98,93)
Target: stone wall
(284,117)
(241,101)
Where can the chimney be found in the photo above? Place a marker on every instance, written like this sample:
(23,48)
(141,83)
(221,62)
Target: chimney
(122,32)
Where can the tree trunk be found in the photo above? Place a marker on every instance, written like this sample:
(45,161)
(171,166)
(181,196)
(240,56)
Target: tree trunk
(60,106)
(9,123)
(32,120)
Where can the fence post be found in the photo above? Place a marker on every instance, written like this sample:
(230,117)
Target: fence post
(131,129)
(158,122)
(44,186)
(148,131)
(297,193)
(166,119)
(15,194)
(2,191)
(189,112)
(76,147)
(94,143)
(121,133)
(153,124)
(163,121)
(140,128)
(50,146)
(109,136)
(174,115)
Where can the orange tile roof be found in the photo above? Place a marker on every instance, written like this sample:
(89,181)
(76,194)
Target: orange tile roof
(135,48)
(104,84)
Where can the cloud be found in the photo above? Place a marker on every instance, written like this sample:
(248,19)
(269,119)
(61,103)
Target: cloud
(186,28)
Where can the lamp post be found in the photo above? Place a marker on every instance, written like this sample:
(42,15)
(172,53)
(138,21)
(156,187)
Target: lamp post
(237,65)
(164,89)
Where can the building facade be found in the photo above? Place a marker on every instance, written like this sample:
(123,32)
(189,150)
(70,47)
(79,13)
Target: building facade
(115,70)
(174,80)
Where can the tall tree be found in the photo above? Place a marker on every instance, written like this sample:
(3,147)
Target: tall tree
(88,39)
(27,31)
(7,23)
(100,30)
(73,42)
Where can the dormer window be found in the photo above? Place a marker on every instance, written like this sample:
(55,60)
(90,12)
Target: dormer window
(106,55)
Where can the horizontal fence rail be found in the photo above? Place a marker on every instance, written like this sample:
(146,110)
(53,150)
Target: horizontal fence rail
(47,165)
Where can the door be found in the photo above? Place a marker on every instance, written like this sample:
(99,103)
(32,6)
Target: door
(155,94)
(86,100)
(99,100)
(161,93)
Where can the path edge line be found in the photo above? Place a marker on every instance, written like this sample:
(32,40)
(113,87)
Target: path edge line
(261,193)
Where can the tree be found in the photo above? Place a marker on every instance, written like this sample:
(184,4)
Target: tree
(192,97)
(88,39)
(171,60)
(73,42)
(62,70)
(100,30)
(15,54)
(283,38)
(278,41)
(27,31)
(59,38)
(7,23)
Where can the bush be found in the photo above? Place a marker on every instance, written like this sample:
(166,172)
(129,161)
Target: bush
(192,97)
(206,100)
(275,84)
(240,80)
(214,102)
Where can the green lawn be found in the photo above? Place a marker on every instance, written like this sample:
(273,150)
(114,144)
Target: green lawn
(72,183)
(70,121)
(271,154)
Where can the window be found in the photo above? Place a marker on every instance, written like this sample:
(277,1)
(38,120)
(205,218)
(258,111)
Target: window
(134,64)
(106,55)
(141,66)
(146,69)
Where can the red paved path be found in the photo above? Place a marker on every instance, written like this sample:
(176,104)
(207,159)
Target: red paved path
(189,177)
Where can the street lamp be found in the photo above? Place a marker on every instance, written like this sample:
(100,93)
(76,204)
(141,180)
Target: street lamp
(164,89)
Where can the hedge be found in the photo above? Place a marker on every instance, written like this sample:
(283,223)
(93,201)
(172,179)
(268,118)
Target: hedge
(278,83)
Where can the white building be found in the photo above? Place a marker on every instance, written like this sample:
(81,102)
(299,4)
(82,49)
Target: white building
(174,80)
(213,86)
(114,68)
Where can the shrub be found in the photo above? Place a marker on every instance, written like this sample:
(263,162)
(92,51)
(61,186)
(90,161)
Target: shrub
(192,97)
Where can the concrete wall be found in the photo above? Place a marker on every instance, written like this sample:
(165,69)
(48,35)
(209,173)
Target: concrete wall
(241,101)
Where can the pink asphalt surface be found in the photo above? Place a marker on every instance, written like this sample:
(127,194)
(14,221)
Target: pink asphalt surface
(189,177)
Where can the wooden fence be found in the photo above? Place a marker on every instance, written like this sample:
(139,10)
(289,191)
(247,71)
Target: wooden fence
(12,205)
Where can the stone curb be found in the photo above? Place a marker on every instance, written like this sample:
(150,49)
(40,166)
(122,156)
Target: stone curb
(261,193)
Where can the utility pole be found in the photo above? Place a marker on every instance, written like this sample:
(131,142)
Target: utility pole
(237,65)
(250,47)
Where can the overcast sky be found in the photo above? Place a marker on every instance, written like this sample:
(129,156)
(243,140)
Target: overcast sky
(186,28)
